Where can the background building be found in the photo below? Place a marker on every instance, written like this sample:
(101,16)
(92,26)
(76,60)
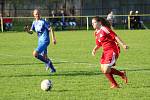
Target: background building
(84,8)
(79,7)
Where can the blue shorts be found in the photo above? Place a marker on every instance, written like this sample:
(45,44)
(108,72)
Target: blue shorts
(42,48)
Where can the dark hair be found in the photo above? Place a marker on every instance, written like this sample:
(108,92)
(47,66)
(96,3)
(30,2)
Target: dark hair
(103,21)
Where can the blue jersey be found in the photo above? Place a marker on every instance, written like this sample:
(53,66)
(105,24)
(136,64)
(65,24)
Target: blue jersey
(41,28)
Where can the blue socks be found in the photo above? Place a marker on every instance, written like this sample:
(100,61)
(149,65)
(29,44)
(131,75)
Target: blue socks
(40,57)
(47,62)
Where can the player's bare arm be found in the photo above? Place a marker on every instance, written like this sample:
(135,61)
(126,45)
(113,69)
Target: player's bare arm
(121,42)
(53,35)
(94,50)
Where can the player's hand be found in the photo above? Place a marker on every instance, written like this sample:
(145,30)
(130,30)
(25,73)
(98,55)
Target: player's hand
(93,52)
(54,41)
(27,29)
(125,47)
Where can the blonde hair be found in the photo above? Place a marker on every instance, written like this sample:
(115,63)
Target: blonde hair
(38,10)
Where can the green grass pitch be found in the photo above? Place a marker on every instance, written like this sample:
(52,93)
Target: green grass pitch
(78,76)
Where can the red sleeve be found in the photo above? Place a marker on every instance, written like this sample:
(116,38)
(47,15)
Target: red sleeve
(98,43)
(113,34)
(97,38)
(103,36)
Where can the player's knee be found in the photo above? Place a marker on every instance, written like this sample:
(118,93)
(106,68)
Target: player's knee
(35,54)
(105,69)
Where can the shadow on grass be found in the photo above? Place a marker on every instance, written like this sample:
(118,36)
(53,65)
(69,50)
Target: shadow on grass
(13,64)
(62,73)
(134,70)
(62,90)
(65,73)
(36,63)
(26,64)
(77,73)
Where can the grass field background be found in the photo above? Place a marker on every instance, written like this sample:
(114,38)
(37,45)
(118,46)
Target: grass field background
(78,76)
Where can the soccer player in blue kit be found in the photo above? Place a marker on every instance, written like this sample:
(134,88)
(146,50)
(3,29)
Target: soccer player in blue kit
(42,28)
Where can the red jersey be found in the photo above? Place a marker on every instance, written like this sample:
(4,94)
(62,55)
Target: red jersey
(7,20)
(105,37)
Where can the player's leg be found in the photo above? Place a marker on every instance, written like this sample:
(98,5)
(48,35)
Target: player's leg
(107,60)
(42,47)
(122,74)
(37,52)
(114,71)
(37,55)
(45,56)
(49,64)
(106,70)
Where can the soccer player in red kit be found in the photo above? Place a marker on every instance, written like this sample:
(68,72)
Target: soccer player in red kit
(108,40)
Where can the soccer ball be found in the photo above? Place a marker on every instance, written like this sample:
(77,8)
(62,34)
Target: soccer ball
(46,85)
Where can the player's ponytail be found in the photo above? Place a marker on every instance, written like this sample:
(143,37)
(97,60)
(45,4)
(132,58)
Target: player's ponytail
(104,22)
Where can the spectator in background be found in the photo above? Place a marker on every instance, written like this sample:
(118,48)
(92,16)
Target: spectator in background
(111,19)
(7,23)
(137,20)
(54,22)
(63,19)
(72,10)
(131,19)
(72,22)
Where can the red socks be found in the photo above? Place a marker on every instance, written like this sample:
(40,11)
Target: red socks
(116,72)
(111,79)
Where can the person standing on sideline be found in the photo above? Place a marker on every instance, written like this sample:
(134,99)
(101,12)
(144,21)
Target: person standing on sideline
(108,40)
(41,27)
(111,19)
(137,20)
(131,20)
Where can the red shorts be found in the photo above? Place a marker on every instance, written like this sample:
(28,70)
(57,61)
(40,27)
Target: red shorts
(109,57)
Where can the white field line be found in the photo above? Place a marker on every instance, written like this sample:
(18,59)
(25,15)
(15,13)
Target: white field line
(16,56)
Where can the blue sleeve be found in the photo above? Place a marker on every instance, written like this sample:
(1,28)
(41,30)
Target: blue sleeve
(46,25)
